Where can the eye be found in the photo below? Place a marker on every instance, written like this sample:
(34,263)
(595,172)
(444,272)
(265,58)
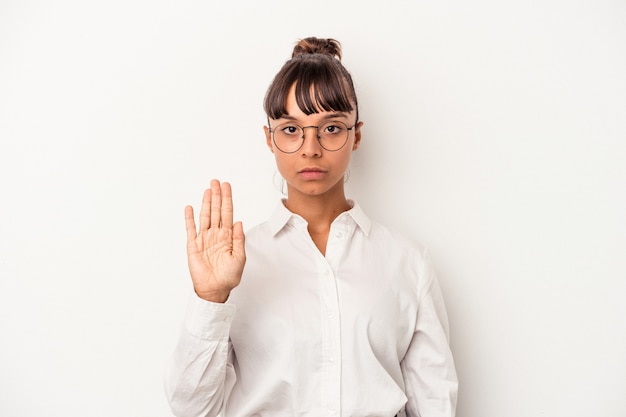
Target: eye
(333,128)
(289,129)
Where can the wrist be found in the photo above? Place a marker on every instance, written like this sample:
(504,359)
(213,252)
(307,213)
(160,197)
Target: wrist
(213,296)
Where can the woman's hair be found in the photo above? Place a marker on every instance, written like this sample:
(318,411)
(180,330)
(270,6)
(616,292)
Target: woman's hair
(321,81)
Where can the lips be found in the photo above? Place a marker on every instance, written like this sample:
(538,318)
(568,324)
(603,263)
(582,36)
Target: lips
(312,173)
(311,169)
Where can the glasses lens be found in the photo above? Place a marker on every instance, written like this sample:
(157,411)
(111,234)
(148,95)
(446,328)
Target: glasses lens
(333,135)
(288,137)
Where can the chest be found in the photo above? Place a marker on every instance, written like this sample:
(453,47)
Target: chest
(294,297)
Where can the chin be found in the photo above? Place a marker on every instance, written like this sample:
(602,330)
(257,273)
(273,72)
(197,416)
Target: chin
(313,188)
(309,191)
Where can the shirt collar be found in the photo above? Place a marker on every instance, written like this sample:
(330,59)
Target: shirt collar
(282,216)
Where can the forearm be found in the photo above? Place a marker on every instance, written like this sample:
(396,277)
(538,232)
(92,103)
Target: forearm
(428,367)
(199,375)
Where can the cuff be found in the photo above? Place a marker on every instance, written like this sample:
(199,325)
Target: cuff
(207,320)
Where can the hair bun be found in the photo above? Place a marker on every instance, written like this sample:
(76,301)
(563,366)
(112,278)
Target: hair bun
(314,45)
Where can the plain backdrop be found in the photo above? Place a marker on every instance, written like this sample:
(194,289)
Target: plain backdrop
(495,135)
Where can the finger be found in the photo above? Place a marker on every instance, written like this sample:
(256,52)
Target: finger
(205,220)
(216,203)
(227,205)
(190,224)
(239,249)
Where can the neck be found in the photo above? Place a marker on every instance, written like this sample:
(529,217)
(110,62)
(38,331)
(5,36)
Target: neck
(318,210)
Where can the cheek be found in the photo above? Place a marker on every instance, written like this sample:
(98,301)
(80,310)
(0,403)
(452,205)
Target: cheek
(282,163)
(344,159)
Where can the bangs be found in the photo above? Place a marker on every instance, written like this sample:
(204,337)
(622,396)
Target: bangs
(321,84)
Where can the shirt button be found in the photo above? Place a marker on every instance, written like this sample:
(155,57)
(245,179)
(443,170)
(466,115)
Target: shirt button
(339,235)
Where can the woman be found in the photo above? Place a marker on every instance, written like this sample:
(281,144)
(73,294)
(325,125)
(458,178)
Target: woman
(333,314)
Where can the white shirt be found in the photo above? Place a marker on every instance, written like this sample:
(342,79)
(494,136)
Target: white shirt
(362,331)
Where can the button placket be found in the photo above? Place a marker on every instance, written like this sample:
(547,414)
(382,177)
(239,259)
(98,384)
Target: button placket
(331,336)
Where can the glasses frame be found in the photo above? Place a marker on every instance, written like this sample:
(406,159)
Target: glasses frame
(319,138)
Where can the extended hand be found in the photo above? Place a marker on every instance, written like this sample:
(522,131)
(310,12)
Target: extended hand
(215,252)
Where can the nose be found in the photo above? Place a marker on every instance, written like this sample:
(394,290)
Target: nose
(311,145)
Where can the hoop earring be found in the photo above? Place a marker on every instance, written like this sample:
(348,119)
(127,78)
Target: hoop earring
(346,176)
(280,187)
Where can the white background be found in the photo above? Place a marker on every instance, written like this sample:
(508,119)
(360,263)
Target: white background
(495,134)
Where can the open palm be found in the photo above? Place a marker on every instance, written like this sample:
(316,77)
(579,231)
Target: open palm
(215,251)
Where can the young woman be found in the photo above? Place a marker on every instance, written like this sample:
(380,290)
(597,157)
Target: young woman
(333,314)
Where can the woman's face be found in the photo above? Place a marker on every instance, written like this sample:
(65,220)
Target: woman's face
(312,170)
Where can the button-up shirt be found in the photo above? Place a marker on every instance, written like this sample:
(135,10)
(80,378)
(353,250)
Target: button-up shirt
(360,331)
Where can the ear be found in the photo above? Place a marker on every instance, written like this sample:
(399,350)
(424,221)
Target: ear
(268,138)
(357,136)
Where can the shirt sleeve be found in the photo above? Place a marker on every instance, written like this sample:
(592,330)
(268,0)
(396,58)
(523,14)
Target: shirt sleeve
(428,367)
(200,373)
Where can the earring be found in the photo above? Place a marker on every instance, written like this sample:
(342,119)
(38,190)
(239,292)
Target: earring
(346,176)
(281,186)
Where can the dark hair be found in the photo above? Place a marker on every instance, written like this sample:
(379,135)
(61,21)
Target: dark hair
(322,82)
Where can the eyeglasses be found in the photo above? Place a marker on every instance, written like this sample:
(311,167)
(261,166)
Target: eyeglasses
(289,137)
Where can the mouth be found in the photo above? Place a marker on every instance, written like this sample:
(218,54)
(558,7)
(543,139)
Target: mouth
(312,173)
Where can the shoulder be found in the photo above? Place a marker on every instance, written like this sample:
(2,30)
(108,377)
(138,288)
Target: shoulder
(395,260)
(402,249)
(397,240)
(378,233)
